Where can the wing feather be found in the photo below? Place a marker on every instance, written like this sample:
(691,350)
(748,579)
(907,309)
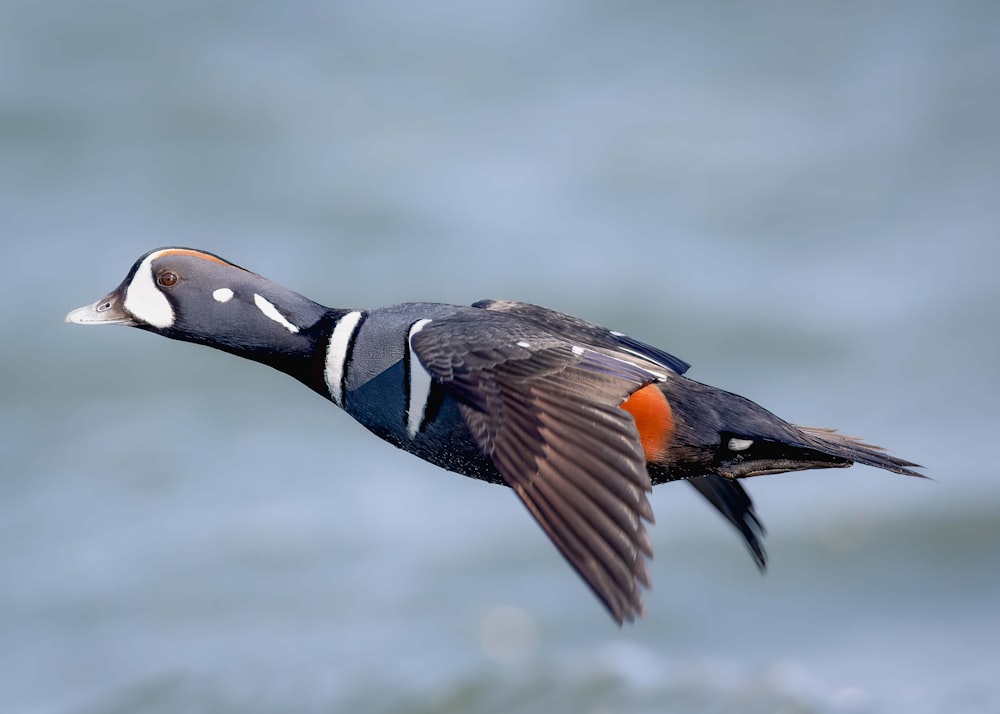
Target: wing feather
(545,410)
(575,329)
(733,502)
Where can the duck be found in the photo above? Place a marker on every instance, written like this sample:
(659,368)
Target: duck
(578,420)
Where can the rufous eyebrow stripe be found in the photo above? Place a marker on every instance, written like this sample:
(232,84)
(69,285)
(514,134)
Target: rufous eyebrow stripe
(196,254)
(654,420)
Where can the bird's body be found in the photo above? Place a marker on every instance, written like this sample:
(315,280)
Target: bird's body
(578,420)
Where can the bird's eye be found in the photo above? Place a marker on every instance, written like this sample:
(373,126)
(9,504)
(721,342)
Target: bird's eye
(167,279)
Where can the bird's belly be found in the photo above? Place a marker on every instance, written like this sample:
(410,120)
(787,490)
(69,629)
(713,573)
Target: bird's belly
(442,438)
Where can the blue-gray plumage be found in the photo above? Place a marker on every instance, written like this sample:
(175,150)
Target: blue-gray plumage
(578,420)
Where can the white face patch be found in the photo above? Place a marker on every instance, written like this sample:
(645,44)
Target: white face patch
(223,295)
(144,300)
(336,355)
(271,312)
(739,444)
(420,384)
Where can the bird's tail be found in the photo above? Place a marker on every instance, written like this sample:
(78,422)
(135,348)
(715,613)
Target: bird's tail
(851,448)
(715,431)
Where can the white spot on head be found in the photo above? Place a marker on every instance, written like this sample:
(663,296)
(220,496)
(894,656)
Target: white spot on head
(739,444)
(271,312)
(420,384)
(223,295)
(144,300)
(336,355)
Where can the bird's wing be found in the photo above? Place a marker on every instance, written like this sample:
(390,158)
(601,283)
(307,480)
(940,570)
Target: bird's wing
(581,331)
(726,495)
(734,503)
(546,411)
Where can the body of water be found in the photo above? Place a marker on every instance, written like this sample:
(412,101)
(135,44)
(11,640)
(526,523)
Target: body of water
(799,199)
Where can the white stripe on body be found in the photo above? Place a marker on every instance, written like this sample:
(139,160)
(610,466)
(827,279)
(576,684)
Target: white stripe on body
(336,355)
(420,383)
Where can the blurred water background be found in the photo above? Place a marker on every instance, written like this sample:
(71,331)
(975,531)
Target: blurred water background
(799,198)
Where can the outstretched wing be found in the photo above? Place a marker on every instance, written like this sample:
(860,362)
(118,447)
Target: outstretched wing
(726,495)
(546,411)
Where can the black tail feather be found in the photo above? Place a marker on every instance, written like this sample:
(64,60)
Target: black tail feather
(729,435)
(828,441)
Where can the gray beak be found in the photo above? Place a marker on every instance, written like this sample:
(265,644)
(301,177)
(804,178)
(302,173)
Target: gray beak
(106,311)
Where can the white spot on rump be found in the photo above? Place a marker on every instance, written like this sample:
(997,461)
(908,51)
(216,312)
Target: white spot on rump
(271,312)
(223,295)
(144,300)
(739,444)
(336,355)
(420,384)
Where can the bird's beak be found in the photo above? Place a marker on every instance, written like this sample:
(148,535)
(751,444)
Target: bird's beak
(108,310)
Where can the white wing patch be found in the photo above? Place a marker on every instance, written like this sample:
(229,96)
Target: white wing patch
(144,301)
(739,444)
(420,384)
(657,376)
(336,355)
(271,312)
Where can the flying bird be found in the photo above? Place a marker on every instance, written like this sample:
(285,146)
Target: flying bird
(578,420)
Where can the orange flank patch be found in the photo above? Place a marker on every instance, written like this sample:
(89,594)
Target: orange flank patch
(195,254)
(653,419)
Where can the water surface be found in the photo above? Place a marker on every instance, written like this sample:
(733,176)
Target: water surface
(800,200)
